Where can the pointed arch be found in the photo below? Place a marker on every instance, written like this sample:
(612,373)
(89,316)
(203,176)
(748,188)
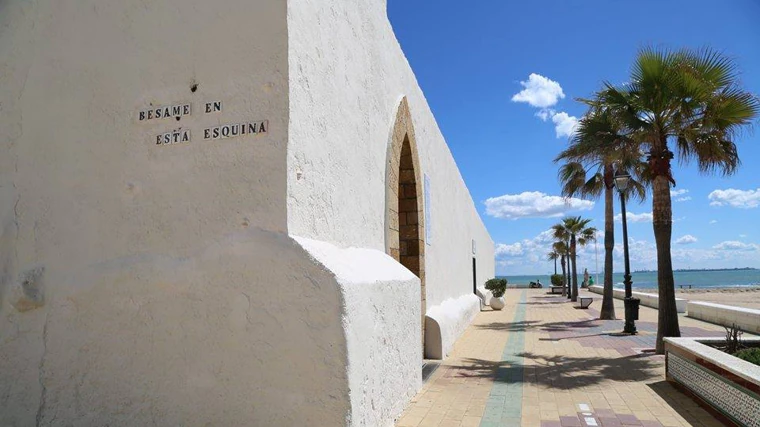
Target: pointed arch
(405,219)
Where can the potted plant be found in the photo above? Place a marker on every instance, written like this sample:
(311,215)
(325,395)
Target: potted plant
(497,287)
(558,280)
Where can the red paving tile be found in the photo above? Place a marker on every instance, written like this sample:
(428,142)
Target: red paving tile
(570,421)
(629,420)
(610,422)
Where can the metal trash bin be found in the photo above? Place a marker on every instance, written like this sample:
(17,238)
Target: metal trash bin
(632,308)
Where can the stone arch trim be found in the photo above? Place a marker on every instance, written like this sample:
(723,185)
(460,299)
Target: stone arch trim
(404,174)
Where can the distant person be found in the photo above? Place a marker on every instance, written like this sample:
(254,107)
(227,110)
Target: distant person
(585,277)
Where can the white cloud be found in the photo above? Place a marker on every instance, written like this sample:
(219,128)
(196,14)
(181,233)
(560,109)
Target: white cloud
(512,250)
(744,199)
(687,239)
(735,245)
(634,217)
(643,255)
(545,114)
(533,204)
(713,221)
(539,92)
(529,255)
(564,124)
(742,236)
(680,195)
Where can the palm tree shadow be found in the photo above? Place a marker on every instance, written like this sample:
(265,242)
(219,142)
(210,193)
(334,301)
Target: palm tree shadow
(509,326)
(541,302)
(569,326)
(562,372)
(578,336)
(546,327)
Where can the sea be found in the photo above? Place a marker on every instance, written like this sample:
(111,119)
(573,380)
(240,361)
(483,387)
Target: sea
(648,279)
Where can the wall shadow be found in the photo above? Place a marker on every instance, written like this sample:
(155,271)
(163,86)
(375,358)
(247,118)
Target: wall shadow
(680,402)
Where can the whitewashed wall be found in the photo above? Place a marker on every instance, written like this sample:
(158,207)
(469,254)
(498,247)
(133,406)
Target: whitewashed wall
(348,75)
(171,293)
(145,284)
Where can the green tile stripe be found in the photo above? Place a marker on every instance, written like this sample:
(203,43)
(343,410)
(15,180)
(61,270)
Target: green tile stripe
(504,405)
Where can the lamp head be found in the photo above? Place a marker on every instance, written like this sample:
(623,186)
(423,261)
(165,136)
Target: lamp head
(621,180)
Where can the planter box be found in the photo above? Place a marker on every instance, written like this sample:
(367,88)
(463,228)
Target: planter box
(725,385)
(746,319)
(649,300)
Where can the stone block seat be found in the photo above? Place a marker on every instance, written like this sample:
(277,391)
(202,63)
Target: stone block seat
(585,301)
(556,289)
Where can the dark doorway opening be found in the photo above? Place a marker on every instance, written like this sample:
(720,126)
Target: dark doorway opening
(474,276)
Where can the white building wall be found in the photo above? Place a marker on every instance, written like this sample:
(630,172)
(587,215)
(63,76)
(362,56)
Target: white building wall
(348,75)
(144,284)
(209,282)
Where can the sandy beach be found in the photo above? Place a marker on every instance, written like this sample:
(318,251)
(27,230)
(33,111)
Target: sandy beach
(740,297)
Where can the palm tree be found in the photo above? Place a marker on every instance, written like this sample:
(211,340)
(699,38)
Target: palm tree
(580,234)
(597,131)
(553,256)
(561,248)
(691,100)
(563,242)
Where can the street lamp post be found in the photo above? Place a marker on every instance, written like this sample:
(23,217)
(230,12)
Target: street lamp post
(631,304)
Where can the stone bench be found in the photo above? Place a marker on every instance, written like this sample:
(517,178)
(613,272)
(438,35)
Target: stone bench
(556,289)
(649,300)
(585,301)
(746,319)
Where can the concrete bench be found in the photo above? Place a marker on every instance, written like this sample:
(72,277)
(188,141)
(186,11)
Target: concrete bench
(557,289)
(648,300)
(746,319)
(585,301)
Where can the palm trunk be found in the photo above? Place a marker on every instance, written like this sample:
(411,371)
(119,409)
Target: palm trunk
(574,256)
(569,270)
(662,216)
(555,266)
(564,276)
(608,305)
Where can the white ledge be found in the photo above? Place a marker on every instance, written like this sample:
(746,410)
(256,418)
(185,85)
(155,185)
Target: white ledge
(741,368)
(747,319)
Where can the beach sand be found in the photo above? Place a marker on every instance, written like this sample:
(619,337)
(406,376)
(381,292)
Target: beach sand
(740,297)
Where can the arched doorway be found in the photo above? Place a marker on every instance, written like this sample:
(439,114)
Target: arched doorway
(408,212)
(405,221)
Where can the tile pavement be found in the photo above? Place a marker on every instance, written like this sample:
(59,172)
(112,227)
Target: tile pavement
(542,362)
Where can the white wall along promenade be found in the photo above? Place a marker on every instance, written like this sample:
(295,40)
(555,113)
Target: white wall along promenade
(270,255)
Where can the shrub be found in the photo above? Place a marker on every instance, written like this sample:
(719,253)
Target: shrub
(497,287)
(558,280)
(733,339)
(751,355)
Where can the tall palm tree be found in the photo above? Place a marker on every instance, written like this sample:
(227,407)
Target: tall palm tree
(561,249)
(690,100)
(580,234)
(553,256)
(590,176)
(563,246)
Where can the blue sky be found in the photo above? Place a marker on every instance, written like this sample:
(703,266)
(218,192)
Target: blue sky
(492,71)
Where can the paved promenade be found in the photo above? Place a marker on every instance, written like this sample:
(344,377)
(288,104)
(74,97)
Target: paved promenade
(542,362)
